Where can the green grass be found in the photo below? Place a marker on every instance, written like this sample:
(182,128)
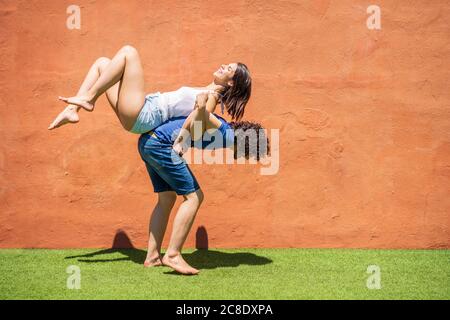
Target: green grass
(227,274)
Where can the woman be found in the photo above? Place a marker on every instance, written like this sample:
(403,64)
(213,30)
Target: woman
(122,78)
(171,176)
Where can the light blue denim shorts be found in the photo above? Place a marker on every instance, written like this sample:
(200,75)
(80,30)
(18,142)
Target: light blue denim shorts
(151,115)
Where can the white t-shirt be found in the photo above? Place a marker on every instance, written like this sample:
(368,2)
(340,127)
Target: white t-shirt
(179,103)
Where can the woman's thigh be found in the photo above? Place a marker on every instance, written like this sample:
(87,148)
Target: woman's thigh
(131,89)
(112,93)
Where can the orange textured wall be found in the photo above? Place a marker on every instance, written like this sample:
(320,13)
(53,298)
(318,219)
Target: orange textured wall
(364,120)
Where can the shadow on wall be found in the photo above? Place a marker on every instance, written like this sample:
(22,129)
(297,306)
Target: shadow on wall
(201,258)
(201,238)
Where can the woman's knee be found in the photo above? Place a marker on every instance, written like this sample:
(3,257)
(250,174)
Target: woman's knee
(102,62)
(129,50)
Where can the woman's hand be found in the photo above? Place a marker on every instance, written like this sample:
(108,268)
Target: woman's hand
(201,99)
(218,88)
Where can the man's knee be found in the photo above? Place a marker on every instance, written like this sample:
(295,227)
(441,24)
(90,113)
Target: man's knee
(167,198)
(200,196)
(196,196)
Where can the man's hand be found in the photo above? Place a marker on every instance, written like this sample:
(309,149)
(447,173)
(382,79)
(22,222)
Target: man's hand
(178,148)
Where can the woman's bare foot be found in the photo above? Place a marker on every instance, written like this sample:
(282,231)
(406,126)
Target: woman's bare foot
(82,101)
(152,262)
(177,263)
(68,115)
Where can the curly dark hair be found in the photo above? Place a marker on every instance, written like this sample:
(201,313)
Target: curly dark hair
(235,97)
(253,137)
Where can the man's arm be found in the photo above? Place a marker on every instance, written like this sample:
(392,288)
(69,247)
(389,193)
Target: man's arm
(200,120)
(211,103)
(201,104)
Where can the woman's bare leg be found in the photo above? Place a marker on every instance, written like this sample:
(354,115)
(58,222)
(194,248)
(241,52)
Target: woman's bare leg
(158,225)
(70,113)
(125,67)
(181,227)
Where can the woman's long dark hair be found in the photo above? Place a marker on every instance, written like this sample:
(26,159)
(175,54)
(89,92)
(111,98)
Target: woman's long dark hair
(235,97)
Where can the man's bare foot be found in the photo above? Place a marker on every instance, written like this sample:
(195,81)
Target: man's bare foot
(152,262)
(81,101)
(68,115)
(177,263)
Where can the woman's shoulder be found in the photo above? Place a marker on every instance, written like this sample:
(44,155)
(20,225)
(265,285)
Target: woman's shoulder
(193,88)
(197,88)
(201,89)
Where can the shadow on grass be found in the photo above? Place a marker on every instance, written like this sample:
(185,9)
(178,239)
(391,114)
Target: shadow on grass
(201,258)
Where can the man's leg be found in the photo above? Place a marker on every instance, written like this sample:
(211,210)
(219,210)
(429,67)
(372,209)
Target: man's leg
(181,227)
(158,225)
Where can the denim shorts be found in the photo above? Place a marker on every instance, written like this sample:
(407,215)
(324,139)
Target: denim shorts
(168,171)
(150,116)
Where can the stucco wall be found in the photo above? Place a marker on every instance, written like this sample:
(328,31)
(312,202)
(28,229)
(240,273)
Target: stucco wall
(364,122)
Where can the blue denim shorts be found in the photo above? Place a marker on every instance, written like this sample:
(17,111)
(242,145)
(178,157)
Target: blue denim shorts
(150,116)
(168,171)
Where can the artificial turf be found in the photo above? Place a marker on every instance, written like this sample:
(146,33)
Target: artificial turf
(227,274)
